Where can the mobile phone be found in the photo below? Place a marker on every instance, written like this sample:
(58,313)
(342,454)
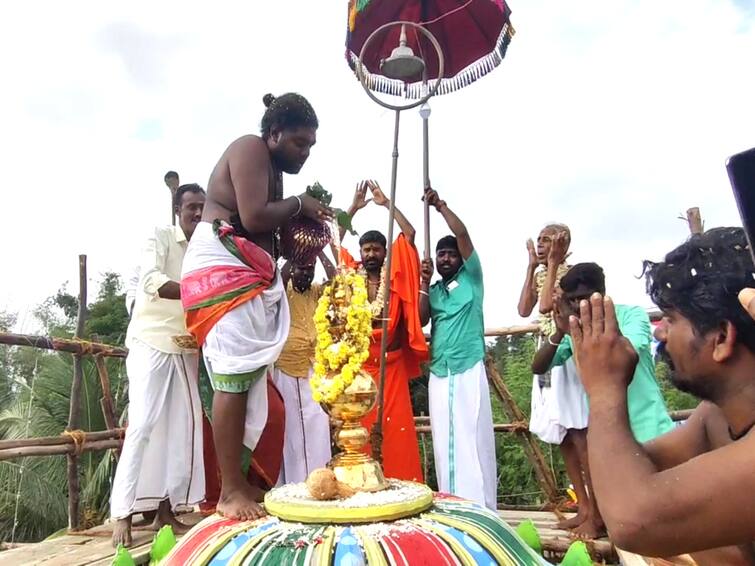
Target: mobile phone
(741,168)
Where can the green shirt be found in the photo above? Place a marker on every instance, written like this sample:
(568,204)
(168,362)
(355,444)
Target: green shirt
(458,331)
(648,415)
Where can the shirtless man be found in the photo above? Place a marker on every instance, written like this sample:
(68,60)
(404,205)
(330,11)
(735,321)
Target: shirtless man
(691,490)
(232,292)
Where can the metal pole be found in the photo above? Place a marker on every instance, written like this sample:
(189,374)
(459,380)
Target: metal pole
(424,111)
(377,429)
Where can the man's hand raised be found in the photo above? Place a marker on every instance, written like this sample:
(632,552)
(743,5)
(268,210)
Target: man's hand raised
(558,250)
(360,197)
(605,359)
(426,271)
(431,198)
(378,196)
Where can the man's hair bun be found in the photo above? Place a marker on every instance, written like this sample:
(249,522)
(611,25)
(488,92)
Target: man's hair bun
(268,99)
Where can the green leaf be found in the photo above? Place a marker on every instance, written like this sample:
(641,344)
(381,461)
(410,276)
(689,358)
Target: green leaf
(344,221)
(317,191)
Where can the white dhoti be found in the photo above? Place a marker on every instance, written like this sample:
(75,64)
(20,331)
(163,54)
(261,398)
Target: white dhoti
(463,442)
(243,345)
(162,453)
(307,439)
(559,407)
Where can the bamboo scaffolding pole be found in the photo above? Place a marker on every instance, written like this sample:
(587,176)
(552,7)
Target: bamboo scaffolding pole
(62,439)
(81,347)
(531,448)
(55,449)
(75,406)
(499,427)
(108,407)
(694,220)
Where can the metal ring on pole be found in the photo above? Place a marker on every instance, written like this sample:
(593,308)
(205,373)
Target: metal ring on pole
(363,77)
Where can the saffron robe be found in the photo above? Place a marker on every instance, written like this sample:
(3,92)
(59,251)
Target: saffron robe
(400,449)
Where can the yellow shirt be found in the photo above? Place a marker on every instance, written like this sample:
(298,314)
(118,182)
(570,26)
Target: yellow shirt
(156,321)
(299,351)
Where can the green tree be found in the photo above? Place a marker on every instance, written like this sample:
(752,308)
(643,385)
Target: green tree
(33,490)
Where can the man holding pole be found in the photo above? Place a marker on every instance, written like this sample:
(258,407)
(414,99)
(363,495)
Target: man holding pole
(460,413)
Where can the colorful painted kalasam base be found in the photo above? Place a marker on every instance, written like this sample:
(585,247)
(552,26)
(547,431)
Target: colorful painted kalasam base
(400,499)
(452,531)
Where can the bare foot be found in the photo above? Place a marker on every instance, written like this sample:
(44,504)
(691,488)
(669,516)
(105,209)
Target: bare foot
(572,522)
(241,503)
(590,530)
(147,518)
(165,516)
(122,532)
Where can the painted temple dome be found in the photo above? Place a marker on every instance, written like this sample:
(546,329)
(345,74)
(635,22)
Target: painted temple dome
(451,531)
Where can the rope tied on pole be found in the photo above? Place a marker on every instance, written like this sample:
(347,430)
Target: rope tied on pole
(86,347)
(78,437)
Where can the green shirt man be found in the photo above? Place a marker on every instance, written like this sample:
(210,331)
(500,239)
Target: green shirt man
(648,415)
(458,327)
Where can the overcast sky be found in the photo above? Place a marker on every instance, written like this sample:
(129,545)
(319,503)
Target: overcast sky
(613,117)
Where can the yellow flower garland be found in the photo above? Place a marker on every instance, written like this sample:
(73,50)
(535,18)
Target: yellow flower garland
(343,306)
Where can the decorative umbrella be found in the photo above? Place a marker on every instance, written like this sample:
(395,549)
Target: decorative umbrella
(443,45)
(473,34)
(452,531)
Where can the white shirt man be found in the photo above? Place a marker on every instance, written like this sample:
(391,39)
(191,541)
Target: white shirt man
(161,466)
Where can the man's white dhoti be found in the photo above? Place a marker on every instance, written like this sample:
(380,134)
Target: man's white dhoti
(560,407)
(463,443)
(249,338)
(307,439)
(162,453)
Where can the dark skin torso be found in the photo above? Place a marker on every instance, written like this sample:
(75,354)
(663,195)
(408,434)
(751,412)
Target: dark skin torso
(706,430)
(222,203)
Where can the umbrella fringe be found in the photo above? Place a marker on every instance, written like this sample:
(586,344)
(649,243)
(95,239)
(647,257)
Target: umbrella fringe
(465,77)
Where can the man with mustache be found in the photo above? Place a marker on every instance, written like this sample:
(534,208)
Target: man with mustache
(165,412)
(691,490)
(460,411)
(407,347)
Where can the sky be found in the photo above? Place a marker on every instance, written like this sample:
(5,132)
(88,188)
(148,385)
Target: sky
(613,117)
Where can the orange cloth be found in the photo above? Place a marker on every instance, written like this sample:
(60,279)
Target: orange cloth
(400,448)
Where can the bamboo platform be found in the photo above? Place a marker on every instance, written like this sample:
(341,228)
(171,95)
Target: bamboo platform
(93,548)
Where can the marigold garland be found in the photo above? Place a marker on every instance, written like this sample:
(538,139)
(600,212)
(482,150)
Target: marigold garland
(343,321)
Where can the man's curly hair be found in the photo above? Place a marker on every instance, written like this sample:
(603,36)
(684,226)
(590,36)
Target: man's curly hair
(701,280)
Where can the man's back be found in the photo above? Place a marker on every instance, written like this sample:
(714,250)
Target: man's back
(647,409)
